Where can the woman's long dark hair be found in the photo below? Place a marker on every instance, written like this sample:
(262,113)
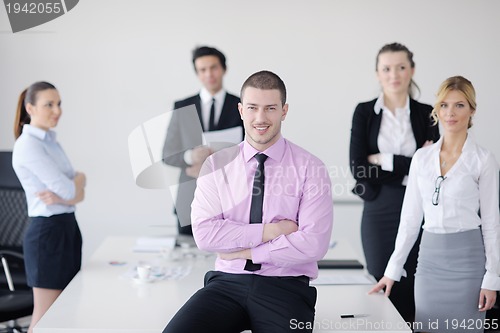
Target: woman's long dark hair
(28,95)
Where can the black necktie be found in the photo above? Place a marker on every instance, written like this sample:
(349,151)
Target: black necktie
(211,121)
(257,201)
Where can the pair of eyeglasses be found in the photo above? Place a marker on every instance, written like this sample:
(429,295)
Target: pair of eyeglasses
(437,185)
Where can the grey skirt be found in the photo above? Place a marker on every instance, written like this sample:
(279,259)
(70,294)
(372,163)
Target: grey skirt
(448,281)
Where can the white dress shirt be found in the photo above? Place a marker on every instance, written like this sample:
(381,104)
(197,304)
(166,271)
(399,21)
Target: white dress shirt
(41,164)
(396,134)
(470,185)
(206,105)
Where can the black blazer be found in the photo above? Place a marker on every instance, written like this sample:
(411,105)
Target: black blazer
(180,138)
(176,138)
(364,135)
(229,116)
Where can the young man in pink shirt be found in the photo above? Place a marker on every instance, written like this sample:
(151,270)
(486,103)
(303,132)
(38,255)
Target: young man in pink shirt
(265,207)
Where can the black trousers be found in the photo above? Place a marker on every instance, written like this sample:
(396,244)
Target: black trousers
(379,228)
(231,303)
(184,230)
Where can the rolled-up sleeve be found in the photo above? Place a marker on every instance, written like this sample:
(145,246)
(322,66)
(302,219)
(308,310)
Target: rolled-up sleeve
(212,230)
(315,220)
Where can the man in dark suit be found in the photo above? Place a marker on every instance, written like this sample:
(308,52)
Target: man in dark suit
(216,110)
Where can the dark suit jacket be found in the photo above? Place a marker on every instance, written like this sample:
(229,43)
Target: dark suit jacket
(364,135)
(182,135)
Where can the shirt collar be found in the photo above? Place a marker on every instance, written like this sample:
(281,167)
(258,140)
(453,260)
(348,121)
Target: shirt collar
(276,151)
(469,144)
(206,97)
(379,104)
(39,133)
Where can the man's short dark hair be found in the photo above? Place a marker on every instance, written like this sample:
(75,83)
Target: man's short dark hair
(265,80)
(208,51)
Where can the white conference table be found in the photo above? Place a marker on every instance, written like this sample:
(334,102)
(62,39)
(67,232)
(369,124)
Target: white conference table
(100,299)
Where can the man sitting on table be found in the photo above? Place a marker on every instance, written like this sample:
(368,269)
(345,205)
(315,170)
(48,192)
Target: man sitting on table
(268,239)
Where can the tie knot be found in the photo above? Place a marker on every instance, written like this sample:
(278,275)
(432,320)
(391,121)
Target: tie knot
(261,158)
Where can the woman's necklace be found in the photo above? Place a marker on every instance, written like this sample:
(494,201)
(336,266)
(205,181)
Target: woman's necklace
(452,158)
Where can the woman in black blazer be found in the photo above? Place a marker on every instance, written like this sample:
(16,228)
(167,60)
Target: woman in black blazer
(385,134)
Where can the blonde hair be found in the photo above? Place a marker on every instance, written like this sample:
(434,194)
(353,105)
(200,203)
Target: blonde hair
(455,83)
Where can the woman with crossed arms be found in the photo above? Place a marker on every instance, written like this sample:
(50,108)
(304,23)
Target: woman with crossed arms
(53,243)
(453,184)
(385,134)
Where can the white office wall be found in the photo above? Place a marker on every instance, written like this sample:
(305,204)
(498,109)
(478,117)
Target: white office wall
(119,63)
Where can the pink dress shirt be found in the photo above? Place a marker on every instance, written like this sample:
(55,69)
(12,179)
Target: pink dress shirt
(297,187)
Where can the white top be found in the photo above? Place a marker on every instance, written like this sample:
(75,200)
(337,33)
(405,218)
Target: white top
(206,105)
(40,164)
(470,185)
(396,134)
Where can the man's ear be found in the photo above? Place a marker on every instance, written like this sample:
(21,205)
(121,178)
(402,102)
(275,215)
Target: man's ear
(285,111)
(240,109)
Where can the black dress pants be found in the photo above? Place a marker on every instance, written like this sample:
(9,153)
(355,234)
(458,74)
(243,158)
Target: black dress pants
(379,228)
(231,303)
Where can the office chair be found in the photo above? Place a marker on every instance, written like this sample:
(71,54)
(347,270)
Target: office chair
(18,302)
(14,304)
(13,219)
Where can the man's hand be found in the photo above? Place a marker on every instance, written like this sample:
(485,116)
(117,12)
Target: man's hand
(193,170)
(200,154)
(271,231)
(274,230)
(243,254)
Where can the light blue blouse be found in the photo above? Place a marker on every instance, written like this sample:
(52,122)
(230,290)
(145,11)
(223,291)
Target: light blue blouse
(41,164)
